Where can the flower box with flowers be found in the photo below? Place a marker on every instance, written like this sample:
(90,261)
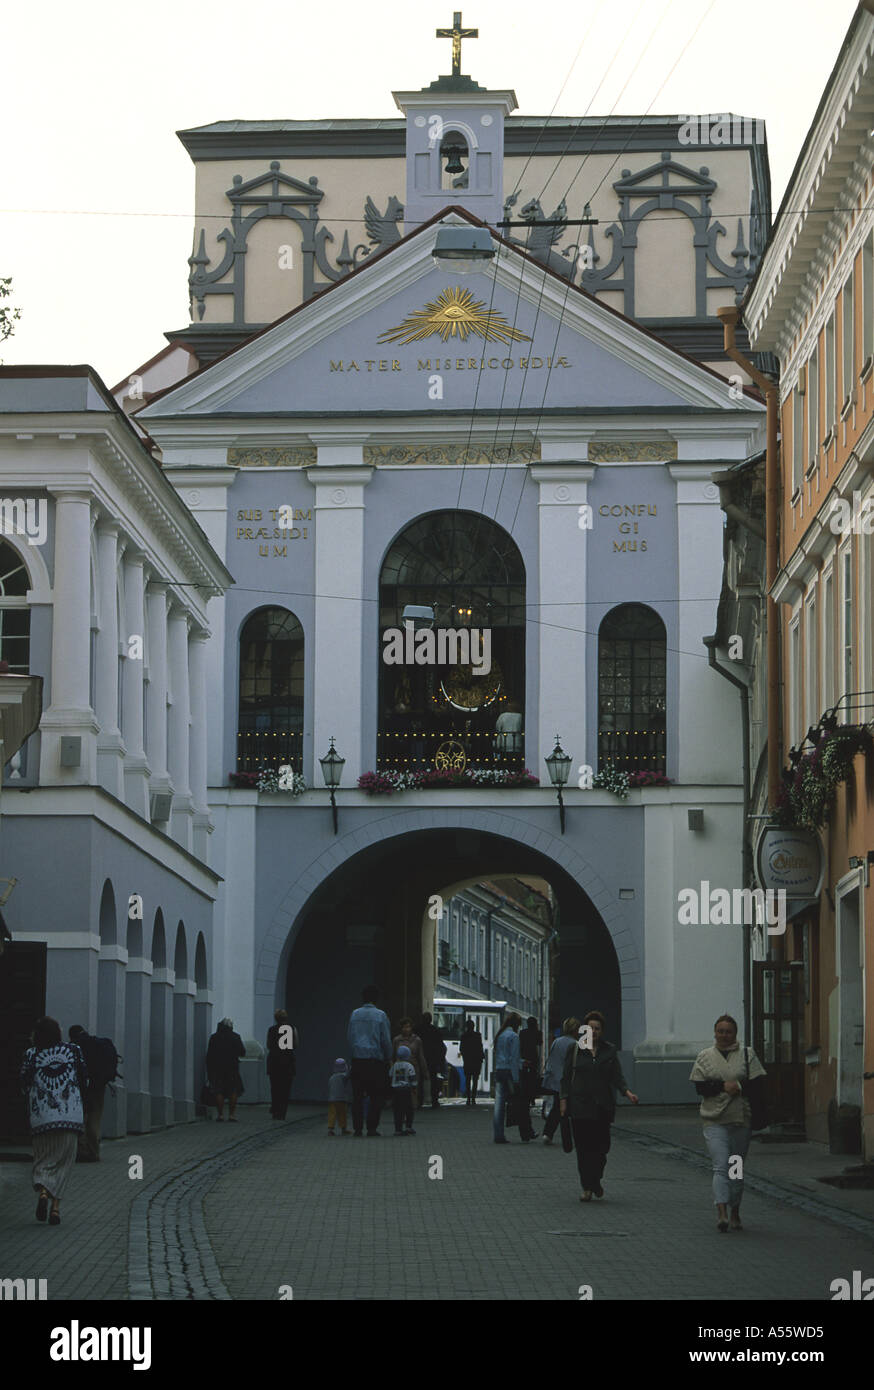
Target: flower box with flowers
(270,779)
(808,790)
(393,780)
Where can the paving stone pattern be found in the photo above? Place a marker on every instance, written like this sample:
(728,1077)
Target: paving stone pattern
(238,1211)
(348,1218)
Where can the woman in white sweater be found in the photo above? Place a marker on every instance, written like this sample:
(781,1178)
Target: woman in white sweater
(720,1074)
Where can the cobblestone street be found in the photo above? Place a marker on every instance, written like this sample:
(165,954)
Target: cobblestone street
(239,1212)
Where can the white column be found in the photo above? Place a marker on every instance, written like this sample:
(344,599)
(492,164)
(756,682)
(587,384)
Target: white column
(159,784)
(706,701)
(70,714)
(197,646)
(561,632)
(178,731)
(110,745)
(203,486)
(136,769)
(339,606)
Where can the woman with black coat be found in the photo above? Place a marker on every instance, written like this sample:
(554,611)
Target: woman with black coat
(222,1067)
(590,1077)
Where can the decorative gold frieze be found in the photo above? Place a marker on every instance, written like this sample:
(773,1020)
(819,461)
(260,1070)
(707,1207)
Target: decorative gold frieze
(451,454)
(659,451)
(295,456)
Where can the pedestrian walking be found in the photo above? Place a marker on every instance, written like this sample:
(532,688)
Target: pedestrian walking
(370,1047)
(530,1043)
(567,1039)
(223,1053)
(403,1083)
(589,1079)
(281,1063)
(508,1070)
(722,1075)
(339,1096)
(435,1056)
(54,1078)
(472,1052)
(407,1038)
(101,1064)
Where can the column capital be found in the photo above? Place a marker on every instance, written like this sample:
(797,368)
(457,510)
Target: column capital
(198,633)
(177,612)
(69,492)
(156,587)
(134,557)
(107,525)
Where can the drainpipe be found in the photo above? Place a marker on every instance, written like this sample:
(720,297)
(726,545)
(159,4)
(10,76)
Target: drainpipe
(730,316)
(746,848)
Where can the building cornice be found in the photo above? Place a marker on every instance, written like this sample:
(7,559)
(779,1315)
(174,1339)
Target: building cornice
(845,117)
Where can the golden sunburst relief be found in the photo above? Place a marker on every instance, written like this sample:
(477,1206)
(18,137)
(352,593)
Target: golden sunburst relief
(454,314)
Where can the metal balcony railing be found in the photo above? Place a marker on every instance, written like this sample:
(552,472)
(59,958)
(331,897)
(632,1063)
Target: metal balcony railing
(267,748)
(632,750)
(417,750)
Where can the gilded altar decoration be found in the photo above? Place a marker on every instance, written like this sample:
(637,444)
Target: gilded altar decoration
(451,755)
(466,691)
(454,314)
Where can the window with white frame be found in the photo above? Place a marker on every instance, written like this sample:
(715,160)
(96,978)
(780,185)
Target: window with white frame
(830,376)
(811,663)
(868,299)
(797,439)
(828,640)
(813,440)
(795,681)
(849,336)
(847,628)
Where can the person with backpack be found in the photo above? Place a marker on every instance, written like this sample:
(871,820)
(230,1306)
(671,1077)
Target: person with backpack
(54,1080)
(101,1062)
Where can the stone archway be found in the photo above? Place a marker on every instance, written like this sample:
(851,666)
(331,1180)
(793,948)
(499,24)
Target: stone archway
(407,847)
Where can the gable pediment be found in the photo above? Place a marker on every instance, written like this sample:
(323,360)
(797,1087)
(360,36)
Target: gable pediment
(405,334)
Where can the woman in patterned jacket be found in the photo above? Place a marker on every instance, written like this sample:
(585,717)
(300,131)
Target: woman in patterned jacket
(54,1077)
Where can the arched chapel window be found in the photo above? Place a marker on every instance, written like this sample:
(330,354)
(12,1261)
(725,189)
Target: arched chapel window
(632,658)
(270,729)
(14,611)
(450,711)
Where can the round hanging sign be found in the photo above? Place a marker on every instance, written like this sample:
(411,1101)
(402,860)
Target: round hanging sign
(790,861)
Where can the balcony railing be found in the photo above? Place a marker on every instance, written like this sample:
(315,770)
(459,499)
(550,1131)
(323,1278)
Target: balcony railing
(632,750)
(258,749)
(413,751)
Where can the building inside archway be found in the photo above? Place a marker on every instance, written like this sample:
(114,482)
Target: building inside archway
(369,923)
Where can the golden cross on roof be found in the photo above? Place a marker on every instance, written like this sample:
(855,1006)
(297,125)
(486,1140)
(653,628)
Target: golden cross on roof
(456,34)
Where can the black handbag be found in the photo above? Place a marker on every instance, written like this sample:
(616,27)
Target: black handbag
(754,1090)
(567,1134)
(517,1109)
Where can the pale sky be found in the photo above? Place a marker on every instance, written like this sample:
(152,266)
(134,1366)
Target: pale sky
(98,193)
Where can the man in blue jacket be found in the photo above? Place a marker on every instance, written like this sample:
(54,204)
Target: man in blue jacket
(369,1039)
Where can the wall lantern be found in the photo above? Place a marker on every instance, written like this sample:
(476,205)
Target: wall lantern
(559,765)
(332,771)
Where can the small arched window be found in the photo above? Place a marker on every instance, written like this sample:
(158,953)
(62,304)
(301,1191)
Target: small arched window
(271,691)
(632,654)
(14,611)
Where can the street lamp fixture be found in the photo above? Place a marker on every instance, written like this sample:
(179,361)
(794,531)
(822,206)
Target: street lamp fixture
(462,248)
(332,771)
(559,765)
